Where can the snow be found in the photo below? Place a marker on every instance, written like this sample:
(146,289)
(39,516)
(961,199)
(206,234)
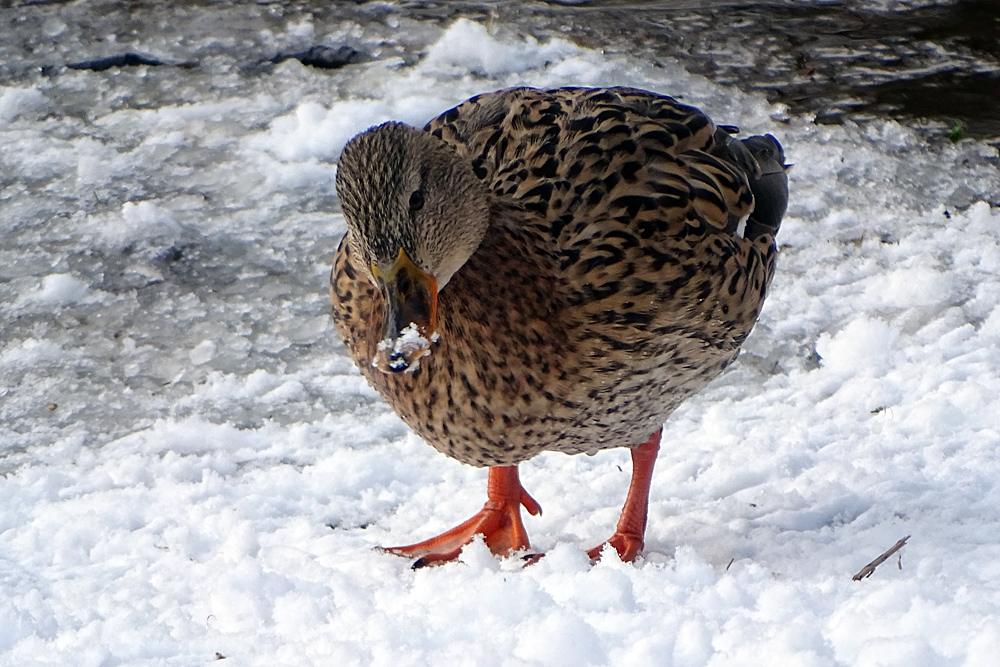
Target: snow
(410,342)
(191,464)
(15,102)
(468,49)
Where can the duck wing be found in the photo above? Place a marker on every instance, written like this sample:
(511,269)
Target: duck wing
(641,198)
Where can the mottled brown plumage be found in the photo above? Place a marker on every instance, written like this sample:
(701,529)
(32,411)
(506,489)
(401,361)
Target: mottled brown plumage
(586,246)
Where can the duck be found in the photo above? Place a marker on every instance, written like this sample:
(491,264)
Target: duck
(551,270)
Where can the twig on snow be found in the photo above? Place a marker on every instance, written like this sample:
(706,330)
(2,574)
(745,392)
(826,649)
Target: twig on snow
(869,569)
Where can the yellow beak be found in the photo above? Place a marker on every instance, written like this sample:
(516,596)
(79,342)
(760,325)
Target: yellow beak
(410,316)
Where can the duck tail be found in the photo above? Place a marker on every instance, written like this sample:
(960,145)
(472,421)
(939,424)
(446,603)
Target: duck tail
(763,161)
(770,189)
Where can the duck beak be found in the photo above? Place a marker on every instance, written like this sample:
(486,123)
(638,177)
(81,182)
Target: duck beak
(410,317)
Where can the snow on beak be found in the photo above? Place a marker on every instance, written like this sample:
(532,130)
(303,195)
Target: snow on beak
(410,317)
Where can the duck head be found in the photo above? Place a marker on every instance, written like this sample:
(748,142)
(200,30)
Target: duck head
(415,213)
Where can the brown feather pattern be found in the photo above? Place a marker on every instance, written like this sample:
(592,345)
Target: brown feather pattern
(610,284)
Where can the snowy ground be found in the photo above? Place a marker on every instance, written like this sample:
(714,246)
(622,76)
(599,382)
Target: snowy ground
(192,468)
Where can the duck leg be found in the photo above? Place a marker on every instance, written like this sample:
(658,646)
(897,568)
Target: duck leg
(628,537)
(499,522)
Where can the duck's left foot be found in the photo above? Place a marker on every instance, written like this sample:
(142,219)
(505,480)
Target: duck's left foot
(627,546)
(499,522)
(628,537)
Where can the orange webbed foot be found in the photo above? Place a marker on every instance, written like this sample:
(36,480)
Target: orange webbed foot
(499,522)
(627,546)
(628,537)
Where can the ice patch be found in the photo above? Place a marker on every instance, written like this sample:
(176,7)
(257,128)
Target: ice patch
(142,223)
(303,30)
(60,289)
(865,347)
(468,46)
(910,288)
(315,132)
(53,27)
(29,352)
(203,352)
(16,102)
(147,216)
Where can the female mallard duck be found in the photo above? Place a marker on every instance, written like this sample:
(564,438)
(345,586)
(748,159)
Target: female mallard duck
(551,270)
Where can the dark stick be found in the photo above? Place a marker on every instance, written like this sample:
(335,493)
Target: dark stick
(869,569)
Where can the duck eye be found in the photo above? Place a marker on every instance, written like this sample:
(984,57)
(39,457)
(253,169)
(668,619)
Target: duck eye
(417,200)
